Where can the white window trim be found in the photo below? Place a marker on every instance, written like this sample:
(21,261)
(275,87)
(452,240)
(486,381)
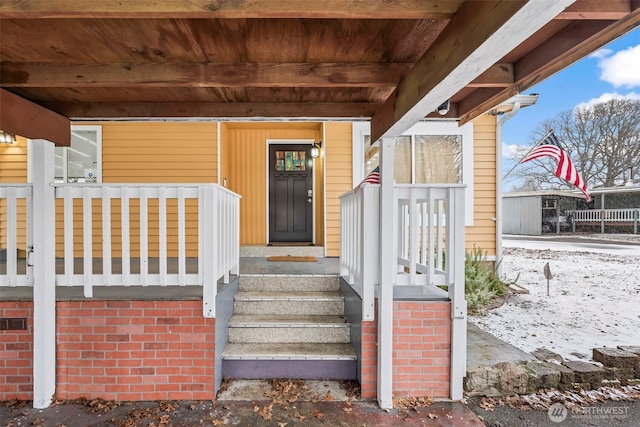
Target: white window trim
(427,127)
(96,128)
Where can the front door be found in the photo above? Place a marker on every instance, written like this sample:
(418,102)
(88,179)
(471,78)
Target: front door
(290,193)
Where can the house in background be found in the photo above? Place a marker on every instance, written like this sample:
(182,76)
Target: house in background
(203,123)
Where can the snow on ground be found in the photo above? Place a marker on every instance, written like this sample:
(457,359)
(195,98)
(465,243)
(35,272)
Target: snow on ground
(594,295)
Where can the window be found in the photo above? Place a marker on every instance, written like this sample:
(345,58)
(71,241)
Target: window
(80,162)
(431,152)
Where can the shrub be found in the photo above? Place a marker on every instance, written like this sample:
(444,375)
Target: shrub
(482,284)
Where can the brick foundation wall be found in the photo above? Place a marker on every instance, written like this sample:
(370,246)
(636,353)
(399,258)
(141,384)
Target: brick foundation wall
(116,350)
(135,350)
(16,353)
(421,350)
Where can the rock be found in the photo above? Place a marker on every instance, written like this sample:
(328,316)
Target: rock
(542,375)
(567,376)
(513,378)
(611,383)
(630,348)
(585,372)
(615,357)
(619,374)
(483,381)
(546,355)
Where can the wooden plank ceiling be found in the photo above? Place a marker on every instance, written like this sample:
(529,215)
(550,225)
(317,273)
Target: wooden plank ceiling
(391,61)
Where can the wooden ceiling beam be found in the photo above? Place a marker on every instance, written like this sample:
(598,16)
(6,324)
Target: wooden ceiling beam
(22,117)
(568,46)
(596,9)
(476,38)
(332,9)
(214,110)
(202,75)
(498,75)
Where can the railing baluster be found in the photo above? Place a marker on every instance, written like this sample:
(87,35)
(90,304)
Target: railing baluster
(413,235)
(430,262)
(126,236)
(106,236)
(144,237)
(440,248)
(87,240)
(68,236)
(162,234)
(182,266)
(12,238)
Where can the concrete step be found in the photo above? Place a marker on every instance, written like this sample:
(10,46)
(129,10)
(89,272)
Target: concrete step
(313,303)
(288,329)
(261,251)
(289,283)
(294,351)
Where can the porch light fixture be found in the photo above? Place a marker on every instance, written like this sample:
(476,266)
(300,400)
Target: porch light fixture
(315,150)
(7,138)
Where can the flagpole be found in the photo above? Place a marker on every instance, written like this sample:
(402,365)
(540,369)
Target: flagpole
(528,152)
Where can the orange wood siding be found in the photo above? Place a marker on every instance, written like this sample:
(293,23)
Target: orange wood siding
(13,169)
(149,152)
(245,168)
(159,152)
(483,232)
(338,169)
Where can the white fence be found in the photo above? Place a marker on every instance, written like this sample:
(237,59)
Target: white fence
(603,216)
(87,263)
(427,216)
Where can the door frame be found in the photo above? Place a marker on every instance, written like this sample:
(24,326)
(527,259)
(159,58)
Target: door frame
(306,141)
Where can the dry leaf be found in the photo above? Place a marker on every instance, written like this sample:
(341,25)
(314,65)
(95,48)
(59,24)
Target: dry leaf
(347,410)
(256,408)
(329,397)
(432,416)
(282,424)
(299,416)
(319,415)
(218,422)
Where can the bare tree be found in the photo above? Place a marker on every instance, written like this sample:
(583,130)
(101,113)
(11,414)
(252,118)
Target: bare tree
(603,141)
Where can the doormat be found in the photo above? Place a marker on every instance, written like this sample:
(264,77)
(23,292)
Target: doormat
(290,244)
(290,258)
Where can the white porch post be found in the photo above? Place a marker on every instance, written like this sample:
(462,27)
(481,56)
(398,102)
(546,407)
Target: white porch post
(455,237)
(44,286)
(388,257)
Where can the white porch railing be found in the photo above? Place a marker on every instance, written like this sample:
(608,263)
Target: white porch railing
(16,206)
(87,263)
(427,216)
(359,243)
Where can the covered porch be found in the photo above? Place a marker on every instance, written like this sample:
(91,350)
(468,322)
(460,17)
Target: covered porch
(116,251)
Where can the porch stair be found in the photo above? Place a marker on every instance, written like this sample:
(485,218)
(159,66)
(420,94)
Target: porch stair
(289,326)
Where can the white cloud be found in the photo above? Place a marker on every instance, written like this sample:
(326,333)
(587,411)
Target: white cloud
(512,151)
(620,68)
(608,97)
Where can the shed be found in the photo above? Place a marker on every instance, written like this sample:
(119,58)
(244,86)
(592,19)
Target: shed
(537,212)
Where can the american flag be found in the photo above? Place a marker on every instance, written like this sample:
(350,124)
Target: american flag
(550,147)
(372,178)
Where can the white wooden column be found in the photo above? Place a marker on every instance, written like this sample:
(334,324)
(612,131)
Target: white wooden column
(388,258)
(455,237)
(44,286)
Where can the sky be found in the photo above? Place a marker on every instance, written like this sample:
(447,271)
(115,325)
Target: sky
(611,72)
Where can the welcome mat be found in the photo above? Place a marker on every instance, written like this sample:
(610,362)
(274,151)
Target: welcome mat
(290,258)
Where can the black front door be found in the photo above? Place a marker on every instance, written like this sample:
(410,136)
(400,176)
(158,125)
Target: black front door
(290,193)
